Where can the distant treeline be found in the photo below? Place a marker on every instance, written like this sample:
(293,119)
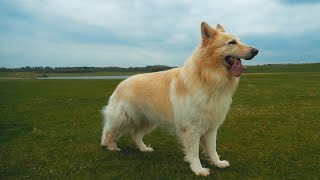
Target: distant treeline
(268,68)
(40,69)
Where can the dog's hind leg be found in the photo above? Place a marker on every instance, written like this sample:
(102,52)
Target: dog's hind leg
(109,139)
(111,130)
(191,142)
(104,140)
(137,135)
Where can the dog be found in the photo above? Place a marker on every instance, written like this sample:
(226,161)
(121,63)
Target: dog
(193,99)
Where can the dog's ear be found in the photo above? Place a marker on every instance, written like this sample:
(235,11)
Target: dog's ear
(220,28)
(206,31)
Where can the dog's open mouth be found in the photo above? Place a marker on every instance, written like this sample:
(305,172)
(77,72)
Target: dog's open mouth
(236,66)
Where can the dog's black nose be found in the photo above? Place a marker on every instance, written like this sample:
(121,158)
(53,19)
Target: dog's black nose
(254,51)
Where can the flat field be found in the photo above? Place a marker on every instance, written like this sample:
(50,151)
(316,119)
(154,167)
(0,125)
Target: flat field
(52,129)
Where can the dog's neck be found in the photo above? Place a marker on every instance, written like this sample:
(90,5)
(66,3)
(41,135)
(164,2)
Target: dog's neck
(208,72)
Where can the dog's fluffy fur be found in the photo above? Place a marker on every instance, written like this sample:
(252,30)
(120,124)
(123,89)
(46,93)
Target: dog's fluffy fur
(193,99)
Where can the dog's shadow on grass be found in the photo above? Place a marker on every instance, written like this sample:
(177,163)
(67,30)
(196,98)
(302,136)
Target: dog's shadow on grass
(167,162)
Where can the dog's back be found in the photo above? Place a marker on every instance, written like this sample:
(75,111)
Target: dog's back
(148,94)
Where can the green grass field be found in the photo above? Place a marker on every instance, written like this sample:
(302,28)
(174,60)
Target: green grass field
(52,129)
(284,68)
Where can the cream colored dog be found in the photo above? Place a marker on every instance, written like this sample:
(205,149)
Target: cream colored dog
(193,99)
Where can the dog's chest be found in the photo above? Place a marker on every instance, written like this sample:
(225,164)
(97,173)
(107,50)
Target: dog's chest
(215,104)
(202,109)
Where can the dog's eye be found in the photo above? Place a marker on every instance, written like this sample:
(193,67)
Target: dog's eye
(233,42)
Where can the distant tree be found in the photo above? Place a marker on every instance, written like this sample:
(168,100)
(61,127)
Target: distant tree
(47,69)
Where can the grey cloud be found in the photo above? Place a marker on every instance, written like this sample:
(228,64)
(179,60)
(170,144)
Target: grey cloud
(119,33)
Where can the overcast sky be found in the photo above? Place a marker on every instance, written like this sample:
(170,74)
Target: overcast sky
(147,32)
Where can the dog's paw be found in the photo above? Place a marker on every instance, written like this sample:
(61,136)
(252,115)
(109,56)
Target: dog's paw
(222,164)
(202,171)
(147,149)
(113,149)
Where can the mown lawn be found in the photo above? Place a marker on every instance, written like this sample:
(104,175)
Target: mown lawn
(52,129)
(284,68)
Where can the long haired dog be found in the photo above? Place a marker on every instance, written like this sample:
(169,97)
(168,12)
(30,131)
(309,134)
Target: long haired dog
(193,99)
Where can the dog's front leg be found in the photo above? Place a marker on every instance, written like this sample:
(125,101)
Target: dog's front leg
(191,142)
(210,145)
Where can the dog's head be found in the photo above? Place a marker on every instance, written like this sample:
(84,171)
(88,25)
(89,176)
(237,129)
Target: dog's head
(226,47)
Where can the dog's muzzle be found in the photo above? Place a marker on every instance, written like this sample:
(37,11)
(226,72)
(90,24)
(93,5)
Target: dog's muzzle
(254,52)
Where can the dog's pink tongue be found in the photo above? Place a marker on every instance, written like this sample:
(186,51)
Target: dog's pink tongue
(237,67)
